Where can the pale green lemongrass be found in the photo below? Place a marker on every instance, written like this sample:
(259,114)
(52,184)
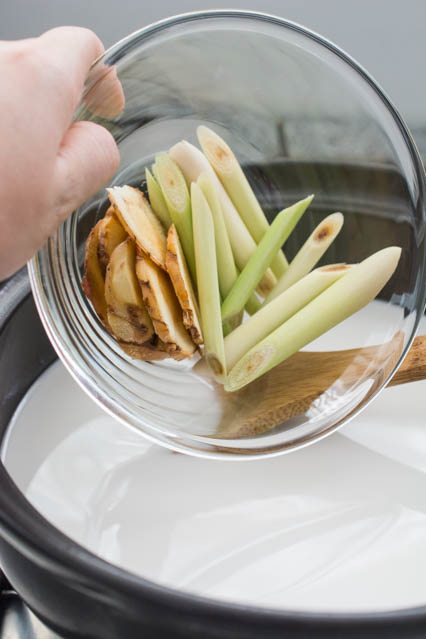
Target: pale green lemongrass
(343,298)
(243,338)
(310,253)
(208,282)
(155,171)
(156,199)
(253,304)
(250,276)
(192,162)
(176,195)
(227,270)
(230,173)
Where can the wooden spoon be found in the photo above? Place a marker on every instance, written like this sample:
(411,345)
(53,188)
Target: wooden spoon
(310,380)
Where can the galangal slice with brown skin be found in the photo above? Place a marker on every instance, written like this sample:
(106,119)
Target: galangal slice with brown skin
(93,282)
(127,316)
(111,234)
(164,308)
(151,351)
(182,284)
(140,222)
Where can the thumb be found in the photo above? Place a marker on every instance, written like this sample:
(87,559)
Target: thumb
(87,159)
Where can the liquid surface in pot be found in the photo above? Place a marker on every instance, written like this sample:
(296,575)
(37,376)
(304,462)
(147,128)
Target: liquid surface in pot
(337,526)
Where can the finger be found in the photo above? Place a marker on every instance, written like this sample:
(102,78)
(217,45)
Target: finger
(87,160)
(105,96)
(71,51)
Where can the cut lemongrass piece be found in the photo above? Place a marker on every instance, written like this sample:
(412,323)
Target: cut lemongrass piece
(348,295)
(253,304)
(250,276)
(243,338)
(176,195)
(155,172)
(156,199)
(192,162)
(230,173)
(208,283)
(310,253)
(226,269)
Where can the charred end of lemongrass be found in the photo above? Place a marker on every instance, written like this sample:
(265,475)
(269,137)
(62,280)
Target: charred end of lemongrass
(251,275)
(216,150)
(349,294)
(208,282)
(327,230)
(156,199)
(176,196)
(310,253)
(334,268)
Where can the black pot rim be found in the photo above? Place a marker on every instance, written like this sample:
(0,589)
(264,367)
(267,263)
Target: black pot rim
(25,529)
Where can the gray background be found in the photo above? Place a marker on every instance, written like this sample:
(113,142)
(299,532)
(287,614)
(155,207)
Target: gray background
(388,37)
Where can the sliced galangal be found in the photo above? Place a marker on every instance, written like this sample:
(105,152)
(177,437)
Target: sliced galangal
(182,284)
(127,316)
(140,222)
(164,308)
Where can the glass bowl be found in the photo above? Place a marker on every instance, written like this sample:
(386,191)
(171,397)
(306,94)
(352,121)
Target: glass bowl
(302,117)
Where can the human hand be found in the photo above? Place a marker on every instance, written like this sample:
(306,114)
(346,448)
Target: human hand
(48,166)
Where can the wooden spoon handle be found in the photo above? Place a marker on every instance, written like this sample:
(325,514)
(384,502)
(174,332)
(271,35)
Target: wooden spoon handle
(413,368)
(297,384)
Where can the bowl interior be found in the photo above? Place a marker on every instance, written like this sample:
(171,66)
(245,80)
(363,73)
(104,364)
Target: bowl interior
(302,118)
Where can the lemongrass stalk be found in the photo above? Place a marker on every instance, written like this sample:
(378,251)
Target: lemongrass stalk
(243,338)
(208,282)
(176,195)
(310,253)
(230,173)
(155,171)
(227,271)
(156,199)
(253,304)
(192,162)
(343,298)
(250,276)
